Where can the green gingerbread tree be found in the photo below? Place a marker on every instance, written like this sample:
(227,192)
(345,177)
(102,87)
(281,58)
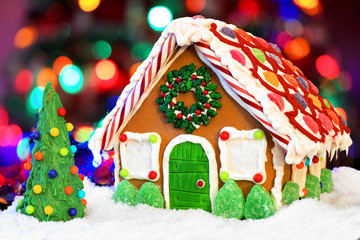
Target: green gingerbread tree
(54,188)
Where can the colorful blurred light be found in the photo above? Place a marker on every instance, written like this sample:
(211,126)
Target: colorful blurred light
(195,6)
(141,50)
(297,48)
(283,38)
(105,69)
(341,112)
(23,148)
(71,79)
(34,100)
(249,7)
(159,17)
(133,68)
(60,63)
(294,27)
(88,5)
(82,134)
(46,75)
(10,135)
(288,11)
(344,81)
(307,4)
(25,37)
(327,66)
(101,50)
(4,118)
(23,81)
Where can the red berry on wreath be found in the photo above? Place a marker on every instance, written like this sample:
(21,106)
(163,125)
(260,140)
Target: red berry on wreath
(203,84)
(198,112)
(171,104)
(224,135)
(207,105)
(189,118)
(179,115)
(206,92)
(170,86)
(193,77)
(178,80)
(162,94)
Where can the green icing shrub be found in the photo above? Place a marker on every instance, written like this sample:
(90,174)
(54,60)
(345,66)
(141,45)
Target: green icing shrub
(327,185)
(259,204)
(290,193)
(229,201)
(312,185)
(125,192)
(150,194)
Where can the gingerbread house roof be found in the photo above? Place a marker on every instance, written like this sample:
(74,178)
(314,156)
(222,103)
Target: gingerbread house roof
(254,73)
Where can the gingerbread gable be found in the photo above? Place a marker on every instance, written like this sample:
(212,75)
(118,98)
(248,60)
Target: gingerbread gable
(254,73)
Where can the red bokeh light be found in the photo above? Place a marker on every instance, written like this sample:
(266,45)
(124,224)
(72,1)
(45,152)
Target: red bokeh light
(327,66)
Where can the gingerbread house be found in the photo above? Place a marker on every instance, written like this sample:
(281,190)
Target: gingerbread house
(254,117)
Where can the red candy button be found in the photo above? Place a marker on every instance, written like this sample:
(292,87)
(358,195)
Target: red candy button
(311,123)
(123,138)
(224,135)
(305,192)
(238,56)
(325,121)
(258,177)
(300,165)
(152,175)
(277,99)
(315,159)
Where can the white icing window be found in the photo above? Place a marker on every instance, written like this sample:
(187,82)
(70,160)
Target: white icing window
(242,155)
(139,153)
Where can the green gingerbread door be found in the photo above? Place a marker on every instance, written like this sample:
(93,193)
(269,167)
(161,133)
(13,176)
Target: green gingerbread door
(189,185)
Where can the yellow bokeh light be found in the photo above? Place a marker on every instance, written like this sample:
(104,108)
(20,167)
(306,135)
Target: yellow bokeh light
(46,75)
(25,37)
(105,69)
(307,4)
(88,5)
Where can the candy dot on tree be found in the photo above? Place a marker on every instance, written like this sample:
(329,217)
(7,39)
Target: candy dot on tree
(72,212)
(64,152)
(81,194)
(35,135)
(68,190)
(73,149)
(28,166)
(37,189)
(48,210)
(74,170)
(39,156)
(69,127)
(52,173)
(84,202)
(29,209)
(54,132)
(61,112)
(81,177)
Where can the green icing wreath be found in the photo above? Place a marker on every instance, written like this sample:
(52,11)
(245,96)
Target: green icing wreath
(183,81)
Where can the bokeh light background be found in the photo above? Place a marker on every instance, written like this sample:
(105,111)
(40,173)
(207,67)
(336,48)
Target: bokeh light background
(89,49)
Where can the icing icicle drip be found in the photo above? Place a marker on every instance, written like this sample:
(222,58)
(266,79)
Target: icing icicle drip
(53,185)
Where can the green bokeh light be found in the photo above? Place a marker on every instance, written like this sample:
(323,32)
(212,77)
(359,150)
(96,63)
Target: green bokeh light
(141,50)
(71,79)
(101,50)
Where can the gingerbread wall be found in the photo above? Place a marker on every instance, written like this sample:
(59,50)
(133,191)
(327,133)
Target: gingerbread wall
(149,119)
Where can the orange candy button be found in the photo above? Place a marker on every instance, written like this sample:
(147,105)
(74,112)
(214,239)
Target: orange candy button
(291,80)
(315,100)
(271,78)
(39,156)
(68,190)
(74,170)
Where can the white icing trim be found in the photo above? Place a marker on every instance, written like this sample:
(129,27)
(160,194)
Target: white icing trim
(299,176)
(315,169)
(155,149)
(206,145)
(117,163)
(261,151)
(278,165)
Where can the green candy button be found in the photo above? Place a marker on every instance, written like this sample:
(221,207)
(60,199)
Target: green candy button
(224,176)
(259,55)
(124,173)
(153,138)
(258,134)
(327,103)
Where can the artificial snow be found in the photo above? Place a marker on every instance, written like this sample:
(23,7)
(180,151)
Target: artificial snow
(335,216)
